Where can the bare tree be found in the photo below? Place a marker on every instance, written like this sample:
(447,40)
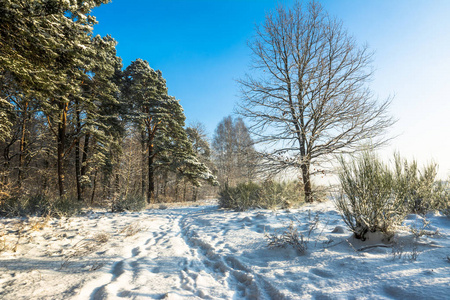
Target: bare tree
(234,153)
(308,97)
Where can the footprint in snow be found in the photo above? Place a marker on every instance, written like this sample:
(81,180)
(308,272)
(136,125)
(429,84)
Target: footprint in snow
(135,252)
(322,273)
(117,269)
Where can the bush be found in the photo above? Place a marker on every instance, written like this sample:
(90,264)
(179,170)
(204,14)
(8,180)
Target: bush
(367,201)
(289,237)
(241,197)
(40,205)
(129,203)
(374,198)
(418,188)
(267,195)
(442,196)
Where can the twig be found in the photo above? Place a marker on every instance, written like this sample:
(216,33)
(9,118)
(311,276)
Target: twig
(373,246)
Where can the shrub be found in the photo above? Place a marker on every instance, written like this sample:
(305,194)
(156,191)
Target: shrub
(129,203)
(289,237)
(266,195)
(241,197)
(66,206)
(40,205)
(367,202)
(292,236)
(418,188)
(442,196)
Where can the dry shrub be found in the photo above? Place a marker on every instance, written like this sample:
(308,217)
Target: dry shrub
(39,205)
(418,187)
(367,202)
(291,236)
(269,194)
(7,244)
(131,229)
(375,197)
(39,223)
(128,203)
(101,237)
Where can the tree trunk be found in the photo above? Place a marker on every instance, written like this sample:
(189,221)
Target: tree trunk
(84,159)
(194,193)
(61,147)
(143,164)
(177,183)
(6,165)
(22,145)
(166,179)
(306,182)
(151,174)
(77,155)
(94,185)
(117,184)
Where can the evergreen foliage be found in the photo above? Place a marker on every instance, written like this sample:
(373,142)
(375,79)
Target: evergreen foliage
(66,108)
(5,122)
(160,119)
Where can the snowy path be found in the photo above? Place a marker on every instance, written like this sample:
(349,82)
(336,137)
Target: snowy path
(153,265)
(174,257)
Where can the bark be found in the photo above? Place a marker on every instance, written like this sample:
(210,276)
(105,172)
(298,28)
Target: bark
(143,164)
(306,183)
(61,137)
(151,174)
(84,158)
(22,145)
(77,155)
(94,186)
(194,193)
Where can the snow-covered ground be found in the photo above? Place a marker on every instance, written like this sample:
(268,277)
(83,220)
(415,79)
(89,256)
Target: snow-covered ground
(207,253)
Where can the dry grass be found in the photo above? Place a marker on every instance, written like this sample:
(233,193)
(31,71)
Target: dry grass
(38,223)
(131,229)
(101,237)
(11,239)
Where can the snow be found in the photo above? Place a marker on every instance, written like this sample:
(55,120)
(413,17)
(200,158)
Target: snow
(203,252)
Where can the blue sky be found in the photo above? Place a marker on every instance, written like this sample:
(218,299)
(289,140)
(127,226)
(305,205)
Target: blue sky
(200,47)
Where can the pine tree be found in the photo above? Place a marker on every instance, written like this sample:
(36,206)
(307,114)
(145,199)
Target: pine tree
(202,150)
(160,119)
(97,112)
(45,48)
